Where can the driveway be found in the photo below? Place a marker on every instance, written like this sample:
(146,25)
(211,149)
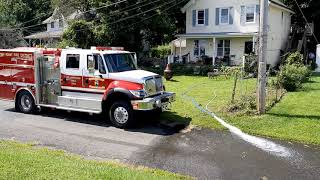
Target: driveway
(205,154)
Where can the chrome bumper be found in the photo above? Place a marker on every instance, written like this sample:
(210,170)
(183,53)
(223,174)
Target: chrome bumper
(160,101)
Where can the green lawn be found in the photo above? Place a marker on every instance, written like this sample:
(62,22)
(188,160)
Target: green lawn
(295,118)
(24,161)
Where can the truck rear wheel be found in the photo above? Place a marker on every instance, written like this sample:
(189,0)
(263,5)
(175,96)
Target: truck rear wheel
(121,114)
(25,103)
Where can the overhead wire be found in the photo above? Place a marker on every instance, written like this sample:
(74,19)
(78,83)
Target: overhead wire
(304,17)
(21,28)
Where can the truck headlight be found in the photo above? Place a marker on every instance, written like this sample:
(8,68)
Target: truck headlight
(138,93)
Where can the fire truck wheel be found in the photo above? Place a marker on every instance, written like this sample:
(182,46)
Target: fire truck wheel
(121,114)
(25,103)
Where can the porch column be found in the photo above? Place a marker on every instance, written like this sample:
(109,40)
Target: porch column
(214,51)
(254,39)
(180,53)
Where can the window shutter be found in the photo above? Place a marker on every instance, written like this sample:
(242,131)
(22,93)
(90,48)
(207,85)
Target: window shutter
(258,13)
(217,16)
(207,17)
(231,14)
(194,17)
(243,15)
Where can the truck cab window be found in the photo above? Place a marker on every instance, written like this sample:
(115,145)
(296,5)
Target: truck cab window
(120,62)
(73,61)
(98,63)
(96,67)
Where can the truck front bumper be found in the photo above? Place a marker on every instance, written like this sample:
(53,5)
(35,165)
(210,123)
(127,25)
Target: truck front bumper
(160,101)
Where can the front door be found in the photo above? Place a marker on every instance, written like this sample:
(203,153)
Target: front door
(248,47)
(96,80)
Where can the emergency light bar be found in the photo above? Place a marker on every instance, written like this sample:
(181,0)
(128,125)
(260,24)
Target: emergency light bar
(107,48)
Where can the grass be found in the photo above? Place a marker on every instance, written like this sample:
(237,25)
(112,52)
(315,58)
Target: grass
(295,118)
(25,161)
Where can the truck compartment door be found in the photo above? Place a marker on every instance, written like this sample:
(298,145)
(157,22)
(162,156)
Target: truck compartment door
(6,91)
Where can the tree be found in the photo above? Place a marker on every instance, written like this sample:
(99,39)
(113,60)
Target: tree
(79,34)
(15,14)
(134,24)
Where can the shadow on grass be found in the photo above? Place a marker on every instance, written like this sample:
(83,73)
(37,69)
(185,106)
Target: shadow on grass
(316,117)
(172,80)
(166,123)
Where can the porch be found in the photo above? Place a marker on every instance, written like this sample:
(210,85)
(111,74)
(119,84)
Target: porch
(225,48)
(47,38)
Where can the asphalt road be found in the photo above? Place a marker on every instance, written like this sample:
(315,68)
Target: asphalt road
(205,154)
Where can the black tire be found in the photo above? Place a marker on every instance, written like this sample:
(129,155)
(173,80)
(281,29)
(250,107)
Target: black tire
(157,112)
(25,103)
(121,114)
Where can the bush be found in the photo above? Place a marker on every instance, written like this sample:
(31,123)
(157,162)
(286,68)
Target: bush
(161,51)
(291,76)
(251,65)
(246,104)
(294,58)
(181,69)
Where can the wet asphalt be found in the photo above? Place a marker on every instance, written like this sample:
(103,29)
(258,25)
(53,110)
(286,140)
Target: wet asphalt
(201,153)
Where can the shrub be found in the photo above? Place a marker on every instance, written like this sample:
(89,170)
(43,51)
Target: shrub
(161,51)
(181,69)
(251,65)
(246,104)
(291,76)
(294,58)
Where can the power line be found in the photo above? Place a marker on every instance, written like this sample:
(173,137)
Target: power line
(21,28)
(126,9)
(306,21)
(43,15)
(153,15)
(129,17)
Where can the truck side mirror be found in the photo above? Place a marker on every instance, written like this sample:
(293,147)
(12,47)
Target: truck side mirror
(91,64)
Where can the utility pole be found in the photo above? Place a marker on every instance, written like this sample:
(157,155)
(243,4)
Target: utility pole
(262,72)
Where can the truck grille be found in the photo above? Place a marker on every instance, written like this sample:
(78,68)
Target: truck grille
(154,86)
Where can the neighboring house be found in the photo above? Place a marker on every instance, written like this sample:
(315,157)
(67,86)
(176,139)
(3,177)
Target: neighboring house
(229,29)
(56,24)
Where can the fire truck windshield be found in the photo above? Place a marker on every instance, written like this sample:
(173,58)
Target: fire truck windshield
(120,62)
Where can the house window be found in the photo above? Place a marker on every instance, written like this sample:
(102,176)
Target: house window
(199,48)
(60,23)
(73,61)
(200,17)
(52,25)
(250,13)
(223,48)
(224,16)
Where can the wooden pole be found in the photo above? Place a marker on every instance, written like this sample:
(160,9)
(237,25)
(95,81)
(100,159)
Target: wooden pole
(261,92)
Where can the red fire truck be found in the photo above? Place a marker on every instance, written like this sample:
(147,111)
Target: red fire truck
(97,80)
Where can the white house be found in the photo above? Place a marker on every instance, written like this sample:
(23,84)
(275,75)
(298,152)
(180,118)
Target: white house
(55,24)
(229,29)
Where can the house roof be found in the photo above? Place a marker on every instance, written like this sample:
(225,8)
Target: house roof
(220,34)
(275,3)
(45,35)
(57,14)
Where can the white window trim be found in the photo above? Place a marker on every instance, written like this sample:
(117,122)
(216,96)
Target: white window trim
(220,16)
(254,16)
(204,16)
(223,47)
